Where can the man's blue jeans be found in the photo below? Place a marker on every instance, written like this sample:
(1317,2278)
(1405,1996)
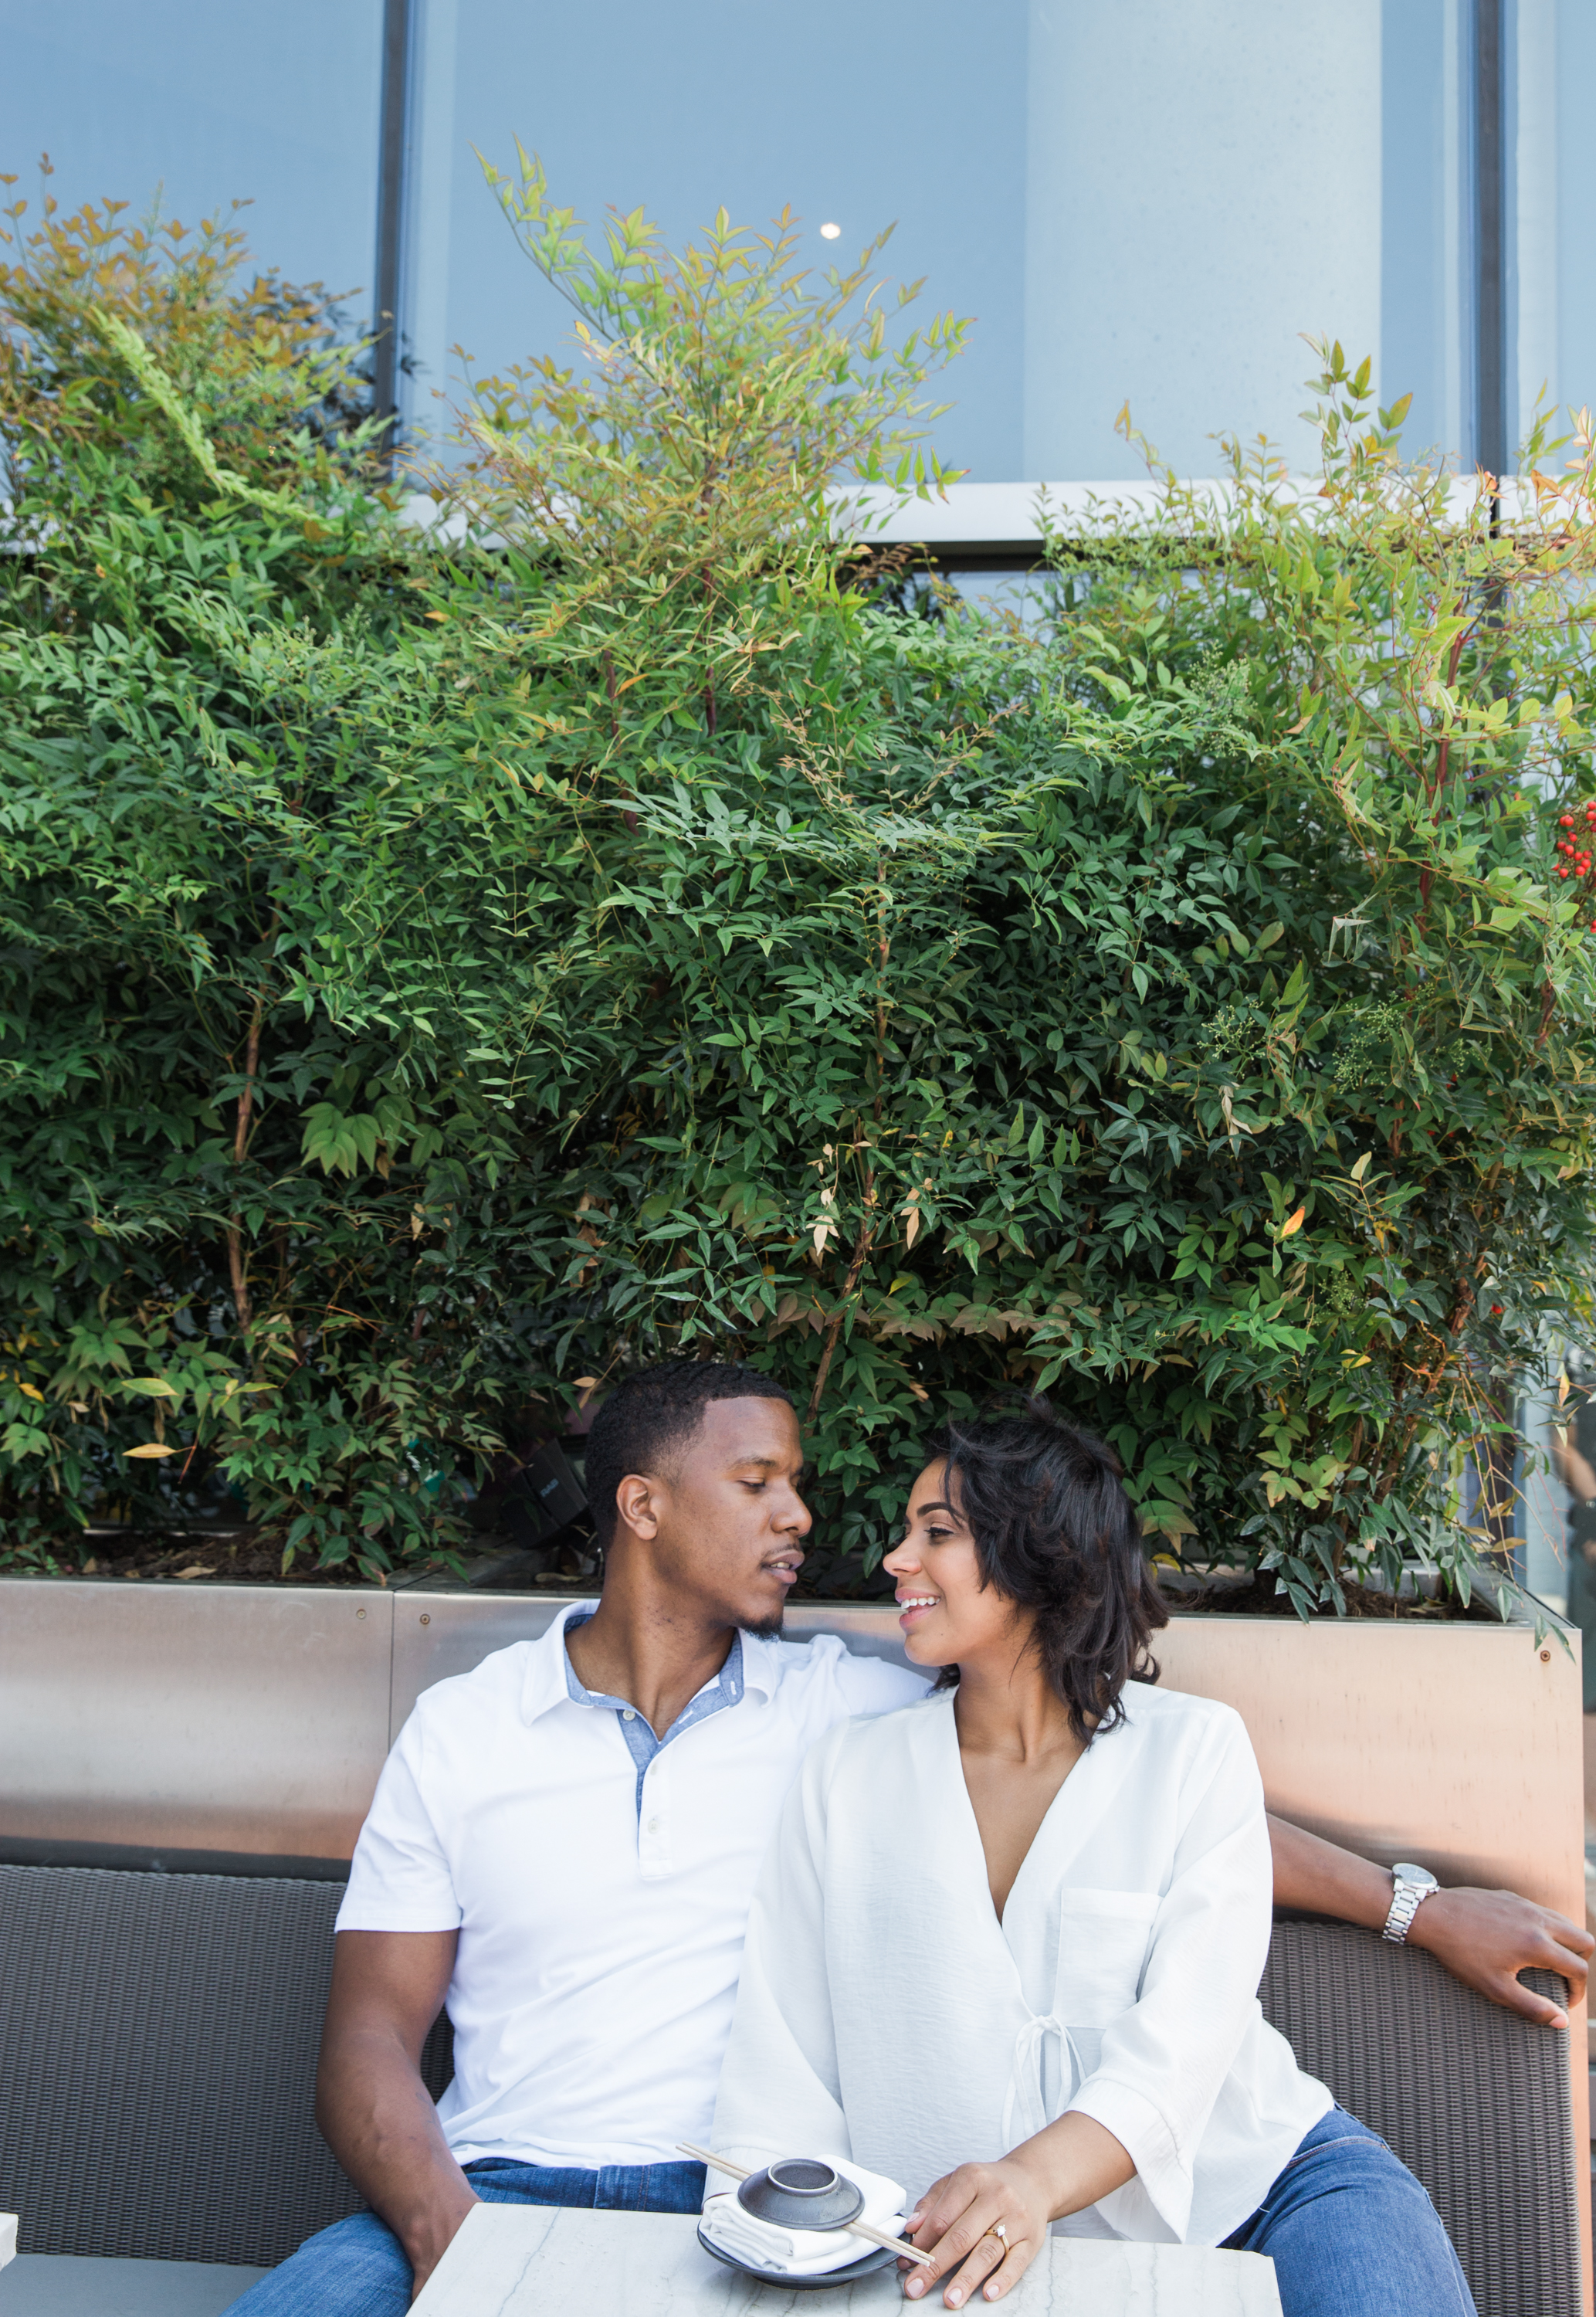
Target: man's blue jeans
(1349,2231)
(1352,2234)
(356,2269)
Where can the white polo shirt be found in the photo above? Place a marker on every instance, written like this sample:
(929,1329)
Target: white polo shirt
(599,1880)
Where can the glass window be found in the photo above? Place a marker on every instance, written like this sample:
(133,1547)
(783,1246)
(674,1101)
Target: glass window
(275,105)
(1149,203)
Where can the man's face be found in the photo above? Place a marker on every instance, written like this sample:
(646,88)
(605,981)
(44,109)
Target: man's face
(727,1521)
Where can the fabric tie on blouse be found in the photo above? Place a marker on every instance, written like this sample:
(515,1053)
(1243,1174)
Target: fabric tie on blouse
(1027,2095)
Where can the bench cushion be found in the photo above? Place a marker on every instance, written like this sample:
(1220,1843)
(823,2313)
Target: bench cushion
(60,2285)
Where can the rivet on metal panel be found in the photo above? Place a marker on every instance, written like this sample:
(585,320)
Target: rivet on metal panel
(1546,1656)
(426,1619)
(359,1612)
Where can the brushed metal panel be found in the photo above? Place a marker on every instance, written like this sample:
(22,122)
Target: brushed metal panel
(1457,1745)
(437,1635)
(869,1629)
(235,1718)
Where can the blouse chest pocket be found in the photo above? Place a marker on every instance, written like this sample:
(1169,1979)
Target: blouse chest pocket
(1103,1948)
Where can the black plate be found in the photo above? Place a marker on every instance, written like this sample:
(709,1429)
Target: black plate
(878,2257)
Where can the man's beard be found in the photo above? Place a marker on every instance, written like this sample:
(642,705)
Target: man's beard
(769,1628)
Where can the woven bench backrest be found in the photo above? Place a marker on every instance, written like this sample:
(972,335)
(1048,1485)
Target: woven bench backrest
(1472,2097)
(158,2037)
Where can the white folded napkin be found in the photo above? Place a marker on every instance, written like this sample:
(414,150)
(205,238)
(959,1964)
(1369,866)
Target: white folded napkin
(804,2252)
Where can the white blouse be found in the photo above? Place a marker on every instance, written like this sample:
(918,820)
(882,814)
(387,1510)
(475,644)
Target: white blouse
(886,2013)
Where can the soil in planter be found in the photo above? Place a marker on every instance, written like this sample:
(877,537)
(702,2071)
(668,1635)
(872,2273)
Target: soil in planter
(234,1557)
(241,1557)
(1259,1599)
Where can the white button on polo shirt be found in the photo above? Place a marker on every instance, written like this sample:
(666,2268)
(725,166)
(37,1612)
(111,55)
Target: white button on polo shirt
(600,1880)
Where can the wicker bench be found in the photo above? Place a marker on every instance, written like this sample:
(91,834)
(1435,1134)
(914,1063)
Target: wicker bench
(158,2034)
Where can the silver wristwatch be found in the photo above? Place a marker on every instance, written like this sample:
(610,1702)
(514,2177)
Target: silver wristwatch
(1413,1885)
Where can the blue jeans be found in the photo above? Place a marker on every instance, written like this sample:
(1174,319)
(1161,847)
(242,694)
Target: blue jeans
(1352,2234)
(357,2267)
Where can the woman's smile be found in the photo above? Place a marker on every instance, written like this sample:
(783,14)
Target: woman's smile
(914,1606)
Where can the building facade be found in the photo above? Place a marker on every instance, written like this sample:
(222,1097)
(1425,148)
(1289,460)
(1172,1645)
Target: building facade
(1144,203)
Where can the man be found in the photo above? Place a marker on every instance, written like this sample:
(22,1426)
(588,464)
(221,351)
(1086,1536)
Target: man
(563,1844)
(1573,1460)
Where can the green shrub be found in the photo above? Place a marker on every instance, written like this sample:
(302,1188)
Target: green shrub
(436,979)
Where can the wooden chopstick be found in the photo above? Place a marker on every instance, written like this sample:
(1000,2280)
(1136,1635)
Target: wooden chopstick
(860,2228)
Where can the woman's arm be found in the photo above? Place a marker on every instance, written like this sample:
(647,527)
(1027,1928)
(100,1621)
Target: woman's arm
(1485,1937)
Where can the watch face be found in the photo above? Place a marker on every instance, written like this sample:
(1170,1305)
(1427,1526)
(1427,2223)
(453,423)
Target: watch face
(1405,1872)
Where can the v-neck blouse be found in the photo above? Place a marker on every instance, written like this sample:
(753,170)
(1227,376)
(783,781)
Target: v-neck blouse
(886,2013)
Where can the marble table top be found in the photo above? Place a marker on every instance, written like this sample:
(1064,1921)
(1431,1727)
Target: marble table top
(513,2261)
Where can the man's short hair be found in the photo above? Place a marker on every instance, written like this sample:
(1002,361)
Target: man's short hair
(656,1411)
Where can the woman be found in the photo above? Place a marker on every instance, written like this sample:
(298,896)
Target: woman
(1006,1945)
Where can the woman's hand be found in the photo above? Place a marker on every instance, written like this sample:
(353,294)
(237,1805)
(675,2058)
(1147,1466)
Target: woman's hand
(1061,2171)
(955,2221)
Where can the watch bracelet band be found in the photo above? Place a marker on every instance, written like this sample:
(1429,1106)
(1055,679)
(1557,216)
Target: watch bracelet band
(1406,1898)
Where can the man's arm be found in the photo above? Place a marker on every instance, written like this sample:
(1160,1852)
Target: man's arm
(1572,1469)
(375,2113)
(1485,1937)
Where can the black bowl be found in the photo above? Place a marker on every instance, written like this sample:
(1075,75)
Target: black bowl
(800,2192)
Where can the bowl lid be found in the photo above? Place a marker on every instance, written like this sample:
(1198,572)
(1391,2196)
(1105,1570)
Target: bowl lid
(801,2192)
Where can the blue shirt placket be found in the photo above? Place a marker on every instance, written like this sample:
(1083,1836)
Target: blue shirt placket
(643,1746)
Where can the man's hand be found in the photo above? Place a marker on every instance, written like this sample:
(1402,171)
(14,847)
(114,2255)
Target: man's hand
(1484,1937)
(374,2111)
(1487,1937)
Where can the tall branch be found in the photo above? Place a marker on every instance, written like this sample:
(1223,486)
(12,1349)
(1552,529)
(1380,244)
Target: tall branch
(237,1268)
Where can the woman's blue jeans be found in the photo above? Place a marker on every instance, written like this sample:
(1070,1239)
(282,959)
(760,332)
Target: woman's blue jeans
(1349,2231)
(1352,2234)
(357,2268)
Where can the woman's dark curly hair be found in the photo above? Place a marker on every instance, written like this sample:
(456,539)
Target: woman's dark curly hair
(1055,1531)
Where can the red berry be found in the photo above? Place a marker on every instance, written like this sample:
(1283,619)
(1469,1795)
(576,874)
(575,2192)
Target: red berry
(1567,820)
(1562,873)
(1496,1311)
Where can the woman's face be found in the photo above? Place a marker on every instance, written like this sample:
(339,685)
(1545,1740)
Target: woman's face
(947,1616)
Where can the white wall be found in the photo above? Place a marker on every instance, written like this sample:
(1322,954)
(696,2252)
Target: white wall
(1204,182)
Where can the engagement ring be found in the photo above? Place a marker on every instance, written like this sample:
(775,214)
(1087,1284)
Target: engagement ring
(998,2230)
